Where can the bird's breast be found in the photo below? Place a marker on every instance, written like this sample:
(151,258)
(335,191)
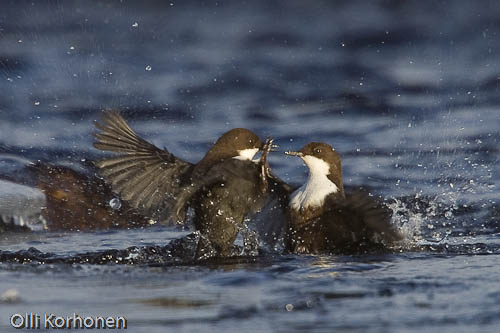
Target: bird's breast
(312,193)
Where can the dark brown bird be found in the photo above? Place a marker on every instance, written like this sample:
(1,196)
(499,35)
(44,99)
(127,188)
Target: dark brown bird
(222,188)
(77,201)
(322,219)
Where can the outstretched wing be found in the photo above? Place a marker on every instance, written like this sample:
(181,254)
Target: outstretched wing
(147,177)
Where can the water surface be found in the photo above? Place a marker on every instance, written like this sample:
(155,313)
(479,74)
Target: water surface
(406,92)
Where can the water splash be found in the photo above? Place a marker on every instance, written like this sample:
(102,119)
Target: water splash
(21,207)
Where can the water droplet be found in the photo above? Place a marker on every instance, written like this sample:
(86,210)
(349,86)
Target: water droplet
(448,215)
(71,47)
(115,203)
(37,103)
(289,307)
(135,25)
(148,68)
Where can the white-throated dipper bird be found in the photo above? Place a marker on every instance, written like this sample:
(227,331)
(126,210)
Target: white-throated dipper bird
(222,188)
(322,219)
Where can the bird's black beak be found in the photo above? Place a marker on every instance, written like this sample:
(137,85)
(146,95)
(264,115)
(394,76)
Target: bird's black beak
(294,153)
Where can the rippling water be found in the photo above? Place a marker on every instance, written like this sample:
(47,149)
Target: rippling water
(407,92)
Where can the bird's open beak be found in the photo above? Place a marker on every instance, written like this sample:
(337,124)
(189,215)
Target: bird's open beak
(294,153)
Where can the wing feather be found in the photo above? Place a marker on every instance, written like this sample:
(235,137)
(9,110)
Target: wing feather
(147,177)
(367,213)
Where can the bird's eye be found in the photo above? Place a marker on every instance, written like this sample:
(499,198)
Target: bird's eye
(251,141)
(317,150)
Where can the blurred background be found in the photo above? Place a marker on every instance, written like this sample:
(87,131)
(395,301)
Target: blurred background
(317,70)
(406,91)
(384,75)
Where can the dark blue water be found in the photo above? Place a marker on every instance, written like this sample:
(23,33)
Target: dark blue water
(407,92)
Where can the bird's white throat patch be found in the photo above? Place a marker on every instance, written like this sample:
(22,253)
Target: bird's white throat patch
(246,154)
(317,187)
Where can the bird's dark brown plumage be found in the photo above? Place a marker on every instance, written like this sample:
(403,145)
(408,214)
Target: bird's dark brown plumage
(342,223)
(75,201)
(221,188)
